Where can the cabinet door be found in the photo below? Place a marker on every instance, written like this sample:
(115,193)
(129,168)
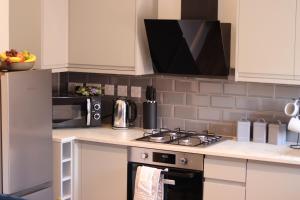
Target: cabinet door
(266,37)
(103,172)
(102,33)
(55,33)
(223,190)
(269,181)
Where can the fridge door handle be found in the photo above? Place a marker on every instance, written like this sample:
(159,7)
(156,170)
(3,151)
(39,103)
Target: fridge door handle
(88,107)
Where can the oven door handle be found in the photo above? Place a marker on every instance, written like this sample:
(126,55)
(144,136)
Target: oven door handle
(179,175)
(88,108)
(168,182)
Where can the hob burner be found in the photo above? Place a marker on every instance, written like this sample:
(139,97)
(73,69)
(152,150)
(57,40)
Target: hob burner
(181,137)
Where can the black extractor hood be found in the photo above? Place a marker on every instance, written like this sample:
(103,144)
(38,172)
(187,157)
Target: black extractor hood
(191,47)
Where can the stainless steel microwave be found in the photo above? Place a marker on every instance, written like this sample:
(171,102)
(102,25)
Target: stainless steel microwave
(76,112)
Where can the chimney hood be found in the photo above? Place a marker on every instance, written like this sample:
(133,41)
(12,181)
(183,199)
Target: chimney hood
(189,47)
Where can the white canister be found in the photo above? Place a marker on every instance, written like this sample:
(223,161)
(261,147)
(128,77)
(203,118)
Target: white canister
(243,130)
(260,131)
(277,133)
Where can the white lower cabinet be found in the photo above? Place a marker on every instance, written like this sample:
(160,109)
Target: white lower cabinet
(103,172)
(224,178)
(223,190)
(270,181)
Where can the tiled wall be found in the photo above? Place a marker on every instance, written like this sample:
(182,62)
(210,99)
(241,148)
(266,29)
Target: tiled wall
(197,104)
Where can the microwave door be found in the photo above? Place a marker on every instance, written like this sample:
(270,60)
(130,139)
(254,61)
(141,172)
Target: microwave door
(70,114)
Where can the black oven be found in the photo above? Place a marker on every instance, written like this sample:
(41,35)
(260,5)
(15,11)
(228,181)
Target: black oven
(183,172)
(76,112)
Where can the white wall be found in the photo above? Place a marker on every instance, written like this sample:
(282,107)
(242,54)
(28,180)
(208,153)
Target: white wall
(4,28)
(227,13)
(169,9)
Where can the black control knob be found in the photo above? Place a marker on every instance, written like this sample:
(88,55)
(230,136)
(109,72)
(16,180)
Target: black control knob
(97,106)
(183,161)
(144,156)
(97,116)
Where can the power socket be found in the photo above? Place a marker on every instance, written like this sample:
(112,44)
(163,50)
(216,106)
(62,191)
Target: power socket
(122,90)
(109,90)
(136,92)
(73,85)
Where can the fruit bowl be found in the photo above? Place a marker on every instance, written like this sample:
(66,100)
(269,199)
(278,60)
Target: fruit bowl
(17,66)
(13,60)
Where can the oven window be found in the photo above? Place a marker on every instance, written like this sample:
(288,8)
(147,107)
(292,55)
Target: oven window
(188,183)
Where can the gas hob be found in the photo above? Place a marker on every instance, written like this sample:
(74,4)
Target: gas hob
(181,137)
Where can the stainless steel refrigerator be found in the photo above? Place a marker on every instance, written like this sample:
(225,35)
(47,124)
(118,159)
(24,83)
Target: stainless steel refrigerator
(26,128)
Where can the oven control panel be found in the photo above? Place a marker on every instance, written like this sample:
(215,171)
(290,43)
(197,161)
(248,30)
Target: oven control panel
(166,158)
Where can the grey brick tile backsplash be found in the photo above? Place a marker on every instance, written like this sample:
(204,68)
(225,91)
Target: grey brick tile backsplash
(174,98)
(141,82)
(227,129)
(235,89)
(78,77)
(287,92)
(211,88)
(173,123)
(260,90)
(198,104)
(248,103)
(197,100)
(55,84)
(185,112)
(233,115)
(209,114)
(163,84)
(186,86)
(98,78)
(223,102)
(165,110)
(195,125)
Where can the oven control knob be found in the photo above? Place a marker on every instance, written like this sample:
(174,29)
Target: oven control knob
(97,106)
(144,155)
(183,161)
(97,116)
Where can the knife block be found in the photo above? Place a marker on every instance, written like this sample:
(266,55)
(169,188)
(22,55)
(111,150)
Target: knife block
(149,116)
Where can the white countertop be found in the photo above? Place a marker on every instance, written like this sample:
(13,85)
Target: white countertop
(227,148)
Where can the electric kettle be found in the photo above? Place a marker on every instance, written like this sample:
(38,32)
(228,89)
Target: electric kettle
(124,113)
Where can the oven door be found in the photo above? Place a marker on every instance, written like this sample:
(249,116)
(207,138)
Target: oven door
(71,112)
(188,183)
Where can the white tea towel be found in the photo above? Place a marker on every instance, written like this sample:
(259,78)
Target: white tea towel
(148,184)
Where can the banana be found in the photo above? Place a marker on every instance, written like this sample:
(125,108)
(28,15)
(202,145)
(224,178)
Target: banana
(3,57)
(26,54)
(32,58)
(15,59)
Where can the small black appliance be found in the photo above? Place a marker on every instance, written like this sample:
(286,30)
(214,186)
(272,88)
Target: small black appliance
(76,112)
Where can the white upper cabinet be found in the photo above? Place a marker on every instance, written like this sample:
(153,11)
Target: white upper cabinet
(108,36)
(55,33)
(102,33)
(266,38)
(101,36)
(40,26)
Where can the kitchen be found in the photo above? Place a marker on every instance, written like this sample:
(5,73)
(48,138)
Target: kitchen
(101,163)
